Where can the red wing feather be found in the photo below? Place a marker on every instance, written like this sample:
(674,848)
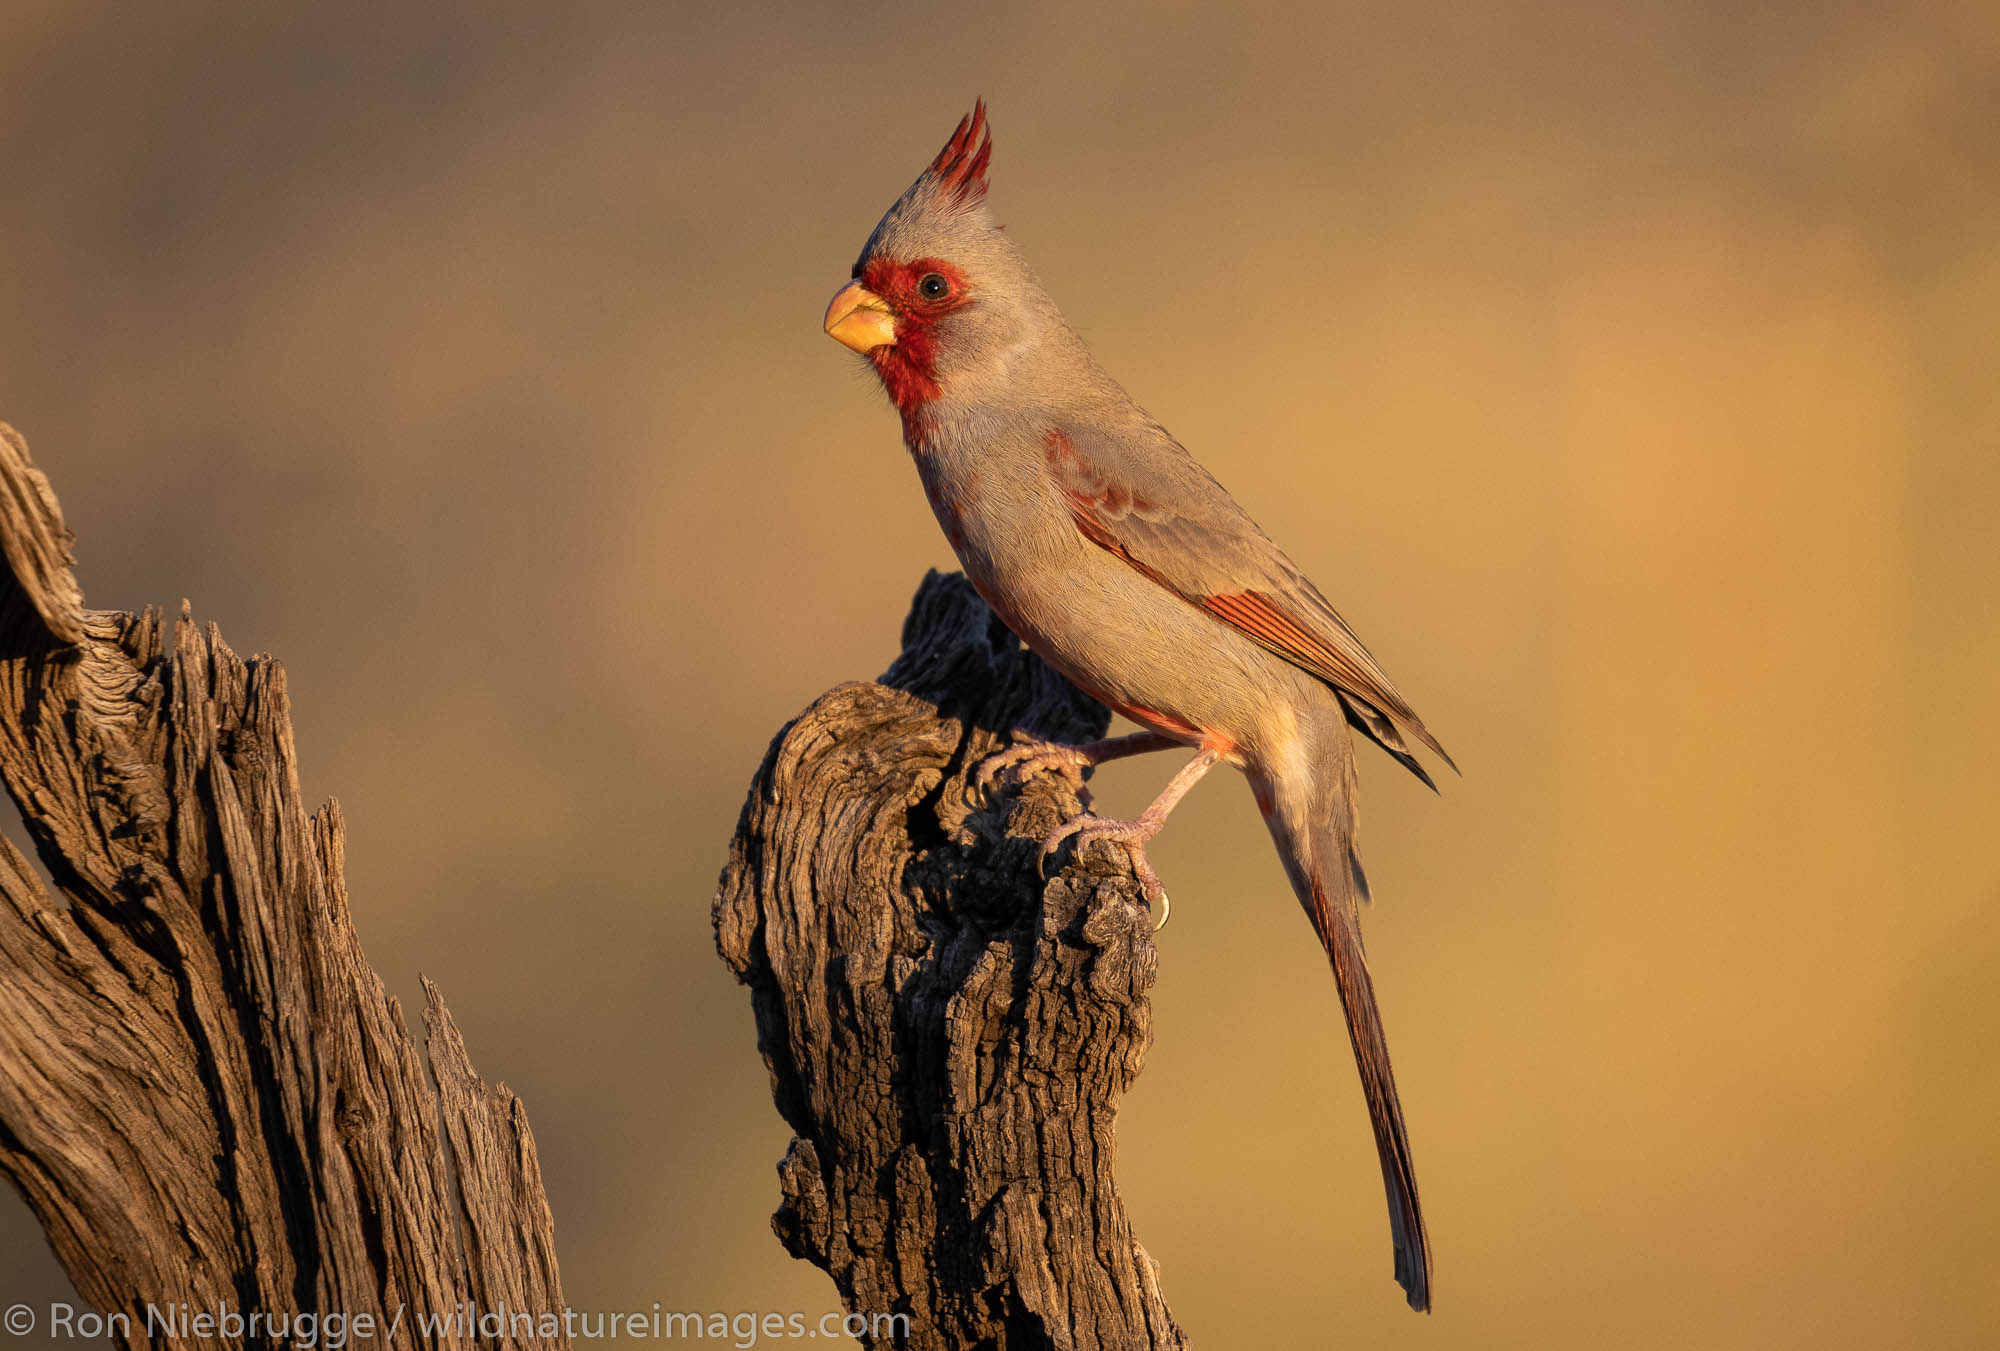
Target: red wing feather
(1094,529)
(1214,557)
(1262,618)
(1257,616)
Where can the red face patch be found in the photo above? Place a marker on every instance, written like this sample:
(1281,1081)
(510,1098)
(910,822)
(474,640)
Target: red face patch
(919,294)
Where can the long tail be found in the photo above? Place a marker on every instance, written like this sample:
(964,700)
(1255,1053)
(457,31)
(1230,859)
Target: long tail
(1313,828)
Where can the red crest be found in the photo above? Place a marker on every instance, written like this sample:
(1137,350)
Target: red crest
(960,168)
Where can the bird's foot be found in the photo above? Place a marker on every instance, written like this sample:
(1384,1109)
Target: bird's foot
(1133,835)
(1026,758)
(1032,756)
(1071,761)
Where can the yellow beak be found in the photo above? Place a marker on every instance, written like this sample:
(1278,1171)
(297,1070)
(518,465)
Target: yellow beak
(860,319)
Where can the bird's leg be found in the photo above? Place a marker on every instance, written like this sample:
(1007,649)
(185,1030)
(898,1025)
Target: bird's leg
(1032,757)
(1133,834)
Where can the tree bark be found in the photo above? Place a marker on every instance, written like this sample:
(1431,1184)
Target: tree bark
(948,1037)
(206,1094)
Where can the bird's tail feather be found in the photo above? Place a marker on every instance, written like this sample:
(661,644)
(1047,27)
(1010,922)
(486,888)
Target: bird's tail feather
(1340,931)
(1325,871)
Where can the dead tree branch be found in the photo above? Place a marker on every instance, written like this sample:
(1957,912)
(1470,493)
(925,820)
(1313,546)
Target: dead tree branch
(947,1037)
(206,1094)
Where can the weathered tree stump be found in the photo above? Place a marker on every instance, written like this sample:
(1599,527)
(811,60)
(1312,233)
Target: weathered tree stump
(206,1094)
(948,1037)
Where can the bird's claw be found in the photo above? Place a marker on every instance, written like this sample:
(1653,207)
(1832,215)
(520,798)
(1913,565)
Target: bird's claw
(1131,834)
(1024,758)
(1055,837)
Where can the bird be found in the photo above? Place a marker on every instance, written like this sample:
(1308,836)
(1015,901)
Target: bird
(1113,555)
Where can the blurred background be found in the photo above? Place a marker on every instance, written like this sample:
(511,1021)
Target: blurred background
(1625,373)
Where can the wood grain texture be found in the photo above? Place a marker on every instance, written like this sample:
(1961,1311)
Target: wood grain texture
(948,1037)
(206,1094)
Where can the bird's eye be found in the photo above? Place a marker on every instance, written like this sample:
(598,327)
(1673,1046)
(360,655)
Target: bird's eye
(933,286)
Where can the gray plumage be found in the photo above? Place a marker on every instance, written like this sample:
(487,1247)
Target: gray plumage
(1114,555)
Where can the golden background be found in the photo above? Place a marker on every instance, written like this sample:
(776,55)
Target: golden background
(1626,374)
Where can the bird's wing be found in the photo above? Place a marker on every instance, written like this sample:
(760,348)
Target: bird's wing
(1142,497)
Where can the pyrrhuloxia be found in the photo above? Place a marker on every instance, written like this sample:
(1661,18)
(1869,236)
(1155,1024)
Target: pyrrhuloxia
(1110,552)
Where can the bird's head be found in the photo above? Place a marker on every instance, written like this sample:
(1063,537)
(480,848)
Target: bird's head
(941,302)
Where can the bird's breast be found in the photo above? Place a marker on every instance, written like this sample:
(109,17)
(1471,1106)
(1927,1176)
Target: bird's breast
(952,498)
